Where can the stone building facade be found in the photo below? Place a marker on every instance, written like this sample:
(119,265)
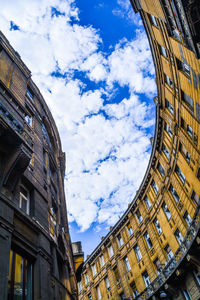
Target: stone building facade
(153,252)
(36,260)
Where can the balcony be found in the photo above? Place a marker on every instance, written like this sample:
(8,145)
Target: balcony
(176,260)
(8,118)
(15,147)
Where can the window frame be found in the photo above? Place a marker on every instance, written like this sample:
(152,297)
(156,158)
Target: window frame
(21,195)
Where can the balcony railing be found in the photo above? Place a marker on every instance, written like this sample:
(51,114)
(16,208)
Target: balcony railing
(175,261)
(8,117)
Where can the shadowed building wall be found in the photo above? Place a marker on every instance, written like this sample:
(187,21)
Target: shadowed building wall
(36,260)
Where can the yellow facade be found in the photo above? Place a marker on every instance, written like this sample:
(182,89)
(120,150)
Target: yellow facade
(155,243)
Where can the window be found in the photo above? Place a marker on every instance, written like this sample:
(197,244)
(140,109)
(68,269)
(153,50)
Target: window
(194,78)
(31,163)
(174,193)
(130,229)
(146,279)
(46,135)
(186,295)
(122,296)
(79,286)
(189,131)
(166,211)
(138,253)
(89,296)
(147,202)
(178,236)
(198,111)
(188,100)
(195,198)
(168,129)
(29,120)
(187,218)
(98,293)
(157,265)
(180,174)
(24,200)
(19,278)
(168,81)
(134,290)
(110,251)
(183,150)
(169,106)
(198,173)
(157,225)
(116,272)
(127,265)
(197,276)
(102,260)
(139,217)
(169,252)
(183,67)
(29,93)
(107,283)
(148,240)
(161,170)
(154,186)
(166,151)
(163,51)
(94,270)
(120,240)
(86,279)
(183,123)
(153,20)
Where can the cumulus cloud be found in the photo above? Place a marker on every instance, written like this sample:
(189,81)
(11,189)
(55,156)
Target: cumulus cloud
(124,10)
(107,145)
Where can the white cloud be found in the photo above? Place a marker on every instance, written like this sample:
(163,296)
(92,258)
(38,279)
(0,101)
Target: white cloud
(124,10)
(131,64)
(107,146)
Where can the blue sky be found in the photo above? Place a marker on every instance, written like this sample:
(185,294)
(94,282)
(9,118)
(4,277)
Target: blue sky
(92,63)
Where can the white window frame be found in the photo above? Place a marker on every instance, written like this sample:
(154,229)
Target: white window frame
(158,227)
(107,283)
(98,292)
(86,279)
(138,216)
(178,236)
(94,270)
(25,198)
(174,193)
(147,202)
(148,240)
(102,261)
(155,187)
(129,229)
(169,253)
(127,264)
(166,211)
(146,279)
(137,253)
(187,218)
(120,240)
(110,251)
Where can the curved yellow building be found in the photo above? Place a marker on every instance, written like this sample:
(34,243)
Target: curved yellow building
(153,250)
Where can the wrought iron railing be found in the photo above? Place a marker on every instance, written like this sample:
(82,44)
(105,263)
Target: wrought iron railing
(175,261)
(9,118)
